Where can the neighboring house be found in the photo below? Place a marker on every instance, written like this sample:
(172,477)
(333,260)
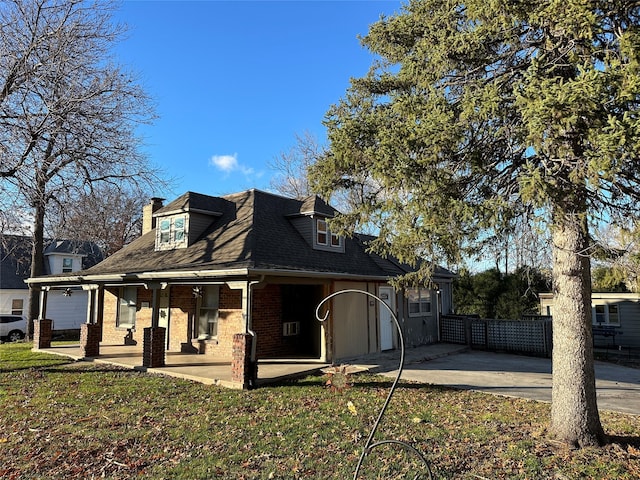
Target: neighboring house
(209,271)
(67,307)
(615,318)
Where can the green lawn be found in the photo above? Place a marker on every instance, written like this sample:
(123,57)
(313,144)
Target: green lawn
(77,420)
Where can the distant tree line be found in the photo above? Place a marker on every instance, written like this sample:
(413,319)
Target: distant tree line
(492,294)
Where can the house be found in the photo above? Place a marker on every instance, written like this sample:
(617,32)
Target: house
(67,308)
(615,318)
(239,277)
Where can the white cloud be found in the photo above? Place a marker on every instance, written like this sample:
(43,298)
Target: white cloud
(229,164)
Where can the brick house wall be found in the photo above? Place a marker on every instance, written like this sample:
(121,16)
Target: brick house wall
(112,335)
(182,305)
(267,322)
(230,322)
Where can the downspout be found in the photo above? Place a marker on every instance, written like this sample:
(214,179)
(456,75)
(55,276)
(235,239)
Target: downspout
(249,319)
(438,309)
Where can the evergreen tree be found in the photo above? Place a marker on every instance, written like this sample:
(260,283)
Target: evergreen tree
(476,113)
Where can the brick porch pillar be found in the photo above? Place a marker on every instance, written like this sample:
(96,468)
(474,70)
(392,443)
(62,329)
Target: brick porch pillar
(42,332)
(90,334)
(243,371)
(153,347)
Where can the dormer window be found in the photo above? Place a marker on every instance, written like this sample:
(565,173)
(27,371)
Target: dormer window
(335,240)
(178,230)
(165,231)
(321,232)
(325,239)
(67,265)
(171,232)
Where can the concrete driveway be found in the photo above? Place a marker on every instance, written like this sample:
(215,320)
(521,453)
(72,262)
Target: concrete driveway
(618,388)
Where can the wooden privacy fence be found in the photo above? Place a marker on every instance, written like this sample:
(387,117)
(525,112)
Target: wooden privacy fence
(530,336)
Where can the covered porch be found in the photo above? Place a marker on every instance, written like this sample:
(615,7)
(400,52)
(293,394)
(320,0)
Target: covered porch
(190,366)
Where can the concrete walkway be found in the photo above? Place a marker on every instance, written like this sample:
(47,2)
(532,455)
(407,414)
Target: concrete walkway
(188,366)
(618,388)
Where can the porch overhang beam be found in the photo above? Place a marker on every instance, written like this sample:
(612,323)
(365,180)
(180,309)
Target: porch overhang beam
(318,274)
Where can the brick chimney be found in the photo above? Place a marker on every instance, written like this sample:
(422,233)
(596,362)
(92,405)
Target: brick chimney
(148,222)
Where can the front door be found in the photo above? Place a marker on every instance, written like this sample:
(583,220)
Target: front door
(387,325)
(163,313)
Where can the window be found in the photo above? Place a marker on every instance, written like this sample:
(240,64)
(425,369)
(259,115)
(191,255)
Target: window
(67,265)
(290,329)
(208,312)
(335,240)
(127,307)
(321,227)
(17,305)
(613,315)
(172,231)
(325,239)
(606,314)
(419,302)
(165,231)
(179,228)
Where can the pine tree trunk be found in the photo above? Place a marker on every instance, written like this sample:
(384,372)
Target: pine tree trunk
(574,412)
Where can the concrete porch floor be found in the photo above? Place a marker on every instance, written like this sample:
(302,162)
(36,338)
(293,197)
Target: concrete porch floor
(191,366)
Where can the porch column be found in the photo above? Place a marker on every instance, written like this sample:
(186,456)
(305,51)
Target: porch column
(100,308)
(44,295)
(91,330)
(244,362)
(243,371)
(90,334)
(154,341)
(42,330)
(91,302)
(42,327)
(153,354)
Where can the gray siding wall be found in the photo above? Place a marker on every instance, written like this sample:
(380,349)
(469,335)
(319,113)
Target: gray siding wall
(629,324)
(198,223)
(304,225)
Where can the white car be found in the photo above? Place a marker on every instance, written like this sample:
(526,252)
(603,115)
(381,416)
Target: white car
(12,327)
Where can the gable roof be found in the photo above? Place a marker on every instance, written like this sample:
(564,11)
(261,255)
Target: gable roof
(190,202)
(15,257)
(252,231)
(314,205)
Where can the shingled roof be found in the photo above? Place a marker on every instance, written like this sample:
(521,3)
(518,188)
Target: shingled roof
(15,257)
(251,230)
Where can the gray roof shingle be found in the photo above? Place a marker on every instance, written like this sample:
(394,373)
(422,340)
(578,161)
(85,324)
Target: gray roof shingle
(254,231)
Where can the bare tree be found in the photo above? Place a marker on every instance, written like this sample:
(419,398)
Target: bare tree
(291,167)
(109,216)
(619,252)
(68,112)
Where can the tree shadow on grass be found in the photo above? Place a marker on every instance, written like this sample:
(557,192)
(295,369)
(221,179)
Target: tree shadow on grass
(359,381)
(29,366)
(624,441)
(69,367)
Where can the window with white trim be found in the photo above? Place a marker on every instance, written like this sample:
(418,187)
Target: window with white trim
(178,229)
(325,239)
(321,232)
(17,306)
(127,307)
(165,230)
(171,232)
(419,300)
(208,312)
(67,265)
(606,314)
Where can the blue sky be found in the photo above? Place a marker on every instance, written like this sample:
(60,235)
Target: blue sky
(235,81)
